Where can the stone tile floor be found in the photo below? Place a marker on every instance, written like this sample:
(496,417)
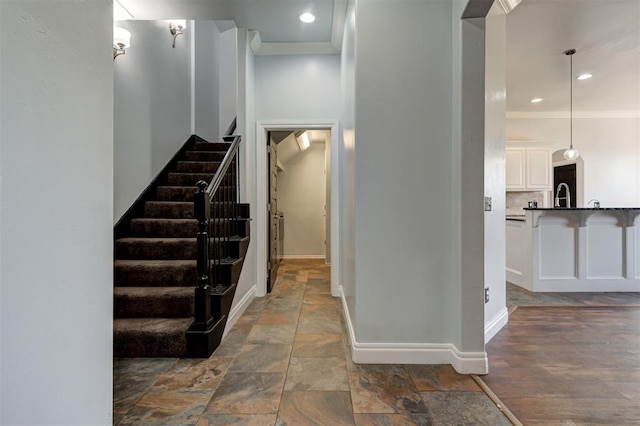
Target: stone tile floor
(286,361)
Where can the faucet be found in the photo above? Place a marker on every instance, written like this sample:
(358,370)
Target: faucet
(596,203)
(567,198)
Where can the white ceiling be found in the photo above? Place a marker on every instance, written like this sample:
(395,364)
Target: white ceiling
(276,21)
(606,34)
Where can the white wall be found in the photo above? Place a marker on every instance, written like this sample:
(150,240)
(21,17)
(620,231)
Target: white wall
(152,95)
(56,212)
(246,128)
(610,148)
(207,76)
(302,197)
(403,244)
(297,87)
(495,312)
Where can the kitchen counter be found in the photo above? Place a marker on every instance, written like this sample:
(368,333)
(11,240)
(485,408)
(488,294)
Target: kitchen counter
(583,208)
(575,249)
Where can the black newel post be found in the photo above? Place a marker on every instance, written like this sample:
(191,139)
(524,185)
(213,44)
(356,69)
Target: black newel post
(198,335)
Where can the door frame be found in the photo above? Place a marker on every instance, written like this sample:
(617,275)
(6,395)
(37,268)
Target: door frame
(262,129)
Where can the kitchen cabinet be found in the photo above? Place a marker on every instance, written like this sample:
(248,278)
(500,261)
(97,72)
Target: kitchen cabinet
(528,169)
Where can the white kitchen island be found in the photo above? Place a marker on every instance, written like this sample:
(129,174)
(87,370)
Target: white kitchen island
(578,249)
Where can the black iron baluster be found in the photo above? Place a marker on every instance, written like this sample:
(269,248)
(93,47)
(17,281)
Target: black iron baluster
(197,340)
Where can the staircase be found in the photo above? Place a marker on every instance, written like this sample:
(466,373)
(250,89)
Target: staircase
(156,276)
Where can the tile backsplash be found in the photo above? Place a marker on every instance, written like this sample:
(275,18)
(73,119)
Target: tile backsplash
(516,201)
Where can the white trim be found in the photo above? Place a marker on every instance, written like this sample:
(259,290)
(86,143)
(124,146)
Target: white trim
(239,309)
(413,353)
(576,114)
(337,25)
(303,256)
(318,48)
(262,126)
(494,325)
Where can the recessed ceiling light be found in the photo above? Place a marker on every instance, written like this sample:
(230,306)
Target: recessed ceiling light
(586,76)
(536,100)
(307,17)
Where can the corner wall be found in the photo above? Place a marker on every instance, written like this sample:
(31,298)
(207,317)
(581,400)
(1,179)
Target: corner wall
(346,165)
(495,311)
(56,212)
(413,155)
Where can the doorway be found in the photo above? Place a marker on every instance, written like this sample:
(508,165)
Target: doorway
(268,232)
(565,174)
(298,197)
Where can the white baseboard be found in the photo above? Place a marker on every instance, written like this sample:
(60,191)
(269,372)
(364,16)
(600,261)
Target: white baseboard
(303,256)
(413,353)
(496,323)
(239,308)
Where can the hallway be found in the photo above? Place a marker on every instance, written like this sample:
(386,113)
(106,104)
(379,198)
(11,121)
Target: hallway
(287,362)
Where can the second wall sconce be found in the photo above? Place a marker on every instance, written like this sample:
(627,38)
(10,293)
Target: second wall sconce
(121,40)
(176,27)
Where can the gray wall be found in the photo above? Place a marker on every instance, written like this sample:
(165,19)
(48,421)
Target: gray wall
(347,163)
(302,197)
(403,161)
(56,212)
(152,87)
(297,87)
(207,75)
(412,165)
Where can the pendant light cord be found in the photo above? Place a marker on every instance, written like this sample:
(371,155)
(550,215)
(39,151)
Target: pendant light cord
(571,101)
(570,53)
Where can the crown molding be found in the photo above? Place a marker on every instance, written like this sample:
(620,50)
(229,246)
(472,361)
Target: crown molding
(261,48)
(576,114)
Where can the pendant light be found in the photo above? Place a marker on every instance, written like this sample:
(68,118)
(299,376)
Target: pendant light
(571,154)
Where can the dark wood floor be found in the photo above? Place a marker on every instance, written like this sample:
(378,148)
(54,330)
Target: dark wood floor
(569,365)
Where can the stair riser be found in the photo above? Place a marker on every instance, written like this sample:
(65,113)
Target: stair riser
(152,276)
(226,274)
(180,250)
(183,229)
(184,210)
(204,156)
(214,146)
(221,303)
(153,306)
(147,344)
(188,179)
(187,193)
(197,167)
(173,275)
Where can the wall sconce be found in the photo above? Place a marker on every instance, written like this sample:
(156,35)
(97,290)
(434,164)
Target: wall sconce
(303,141)
(121,40)
(176,27)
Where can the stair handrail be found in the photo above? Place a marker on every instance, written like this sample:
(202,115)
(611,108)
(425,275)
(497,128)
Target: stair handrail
(224,165)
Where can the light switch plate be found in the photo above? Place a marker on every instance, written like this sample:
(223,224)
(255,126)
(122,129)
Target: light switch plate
(487,204)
